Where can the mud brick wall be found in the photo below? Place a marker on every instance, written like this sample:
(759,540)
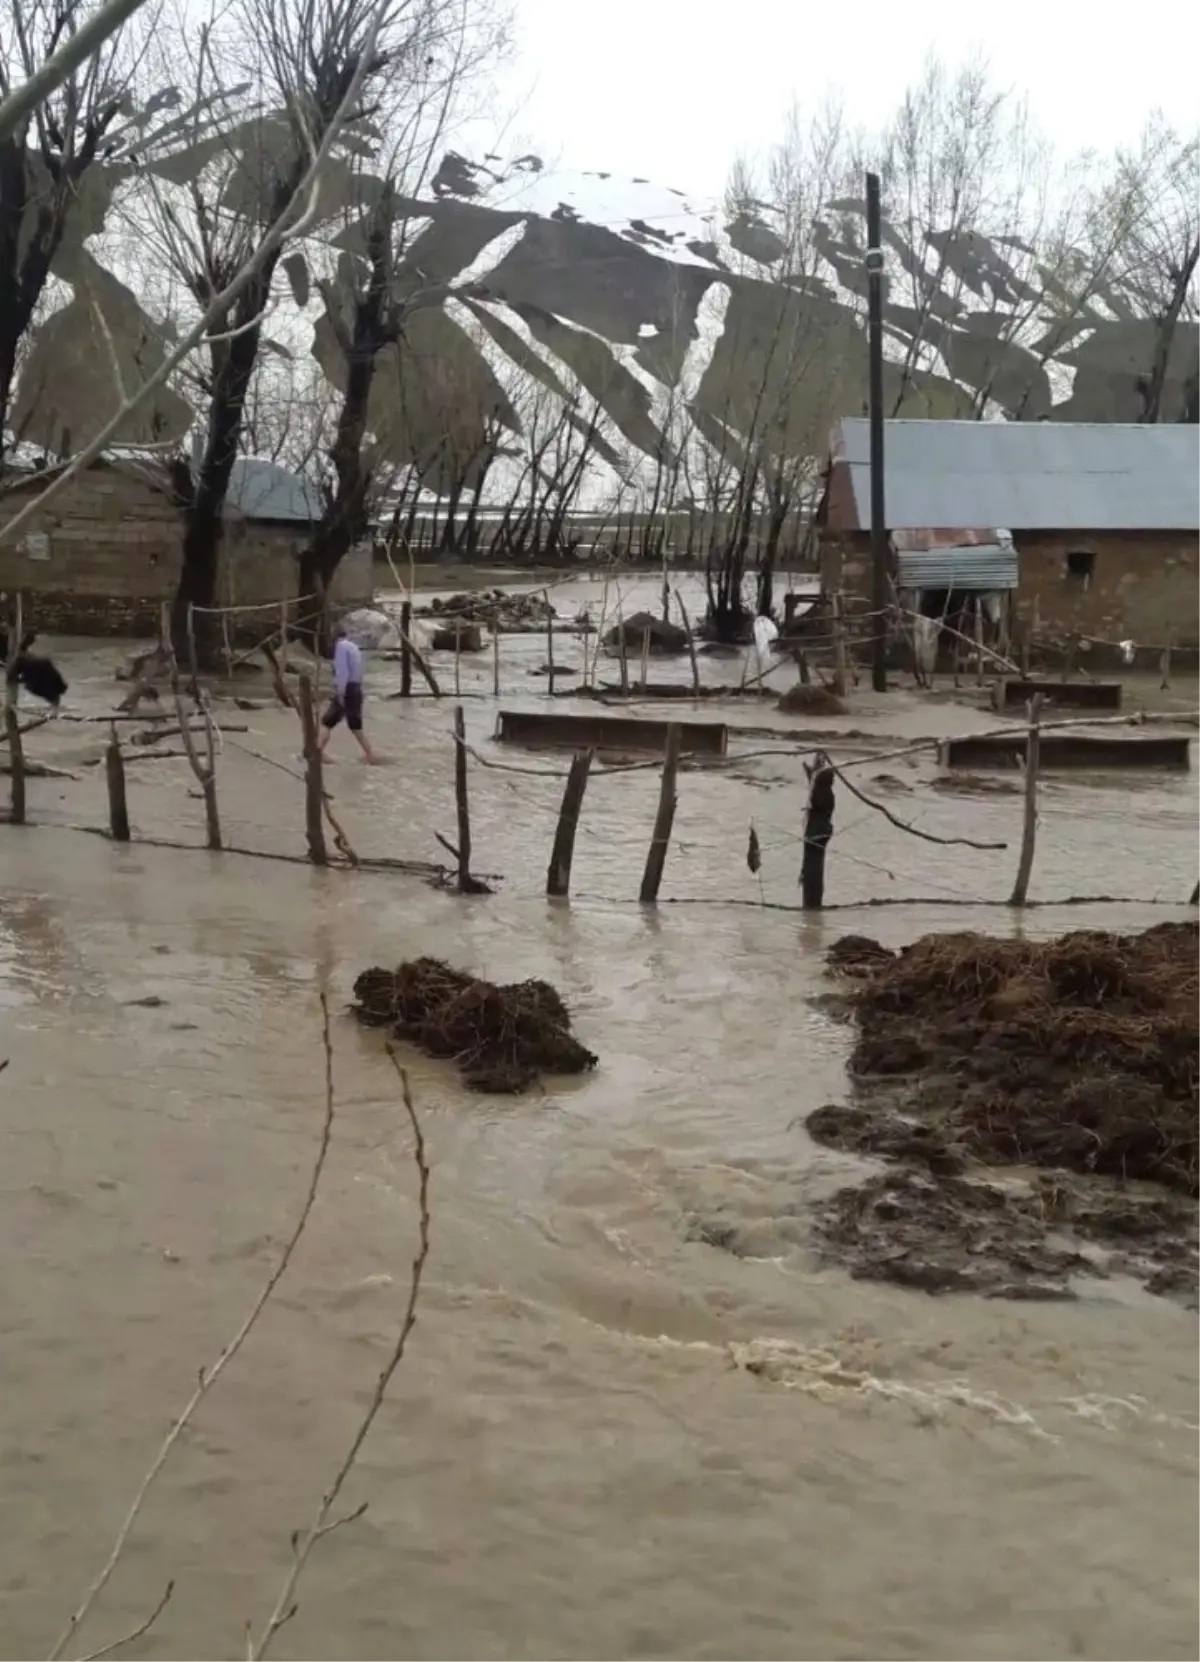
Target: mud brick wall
(1141,585)
(106,553)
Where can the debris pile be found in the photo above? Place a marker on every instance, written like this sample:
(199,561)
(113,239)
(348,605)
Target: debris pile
(810,700)
(511,612)
(1069,1056)
(502,1037)
(645,632)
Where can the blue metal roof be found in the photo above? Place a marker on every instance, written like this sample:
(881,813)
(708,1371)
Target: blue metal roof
(1029,475)
(259,489)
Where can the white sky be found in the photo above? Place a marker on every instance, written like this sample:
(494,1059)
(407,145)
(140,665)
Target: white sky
(674,89)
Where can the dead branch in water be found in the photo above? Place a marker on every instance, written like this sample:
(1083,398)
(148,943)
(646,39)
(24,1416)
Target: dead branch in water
(323,1523)
(209,1376)
(903,825)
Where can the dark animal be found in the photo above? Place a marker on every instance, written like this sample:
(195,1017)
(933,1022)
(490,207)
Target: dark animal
(39,676)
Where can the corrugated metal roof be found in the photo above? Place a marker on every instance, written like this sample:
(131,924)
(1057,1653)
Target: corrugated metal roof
(978,568)
(259,489)
(1029,475)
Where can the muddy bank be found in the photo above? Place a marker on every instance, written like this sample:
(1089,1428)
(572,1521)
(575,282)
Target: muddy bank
(1040,1100)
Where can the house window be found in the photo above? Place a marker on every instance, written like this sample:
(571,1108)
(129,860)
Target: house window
(1081,566)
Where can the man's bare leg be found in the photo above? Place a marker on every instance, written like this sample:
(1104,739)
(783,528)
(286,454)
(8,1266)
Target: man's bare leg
(365,746)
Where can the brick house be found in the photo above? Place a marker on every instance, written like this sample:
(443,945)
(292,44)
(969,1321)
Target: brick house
(106,553)
(1100,523)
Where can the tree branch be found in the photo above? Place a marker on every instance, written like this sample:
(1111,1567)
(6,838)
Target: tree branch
(209,1376)
(285,1604)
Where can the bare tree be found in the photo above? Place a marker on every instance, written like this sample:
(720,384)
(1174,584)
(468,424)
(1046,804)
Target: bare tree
(306,57)
(47,157)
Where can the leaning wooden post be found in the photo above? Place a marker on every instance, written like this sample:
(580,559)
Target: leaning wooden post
(457,657)
(406,649)
(496,654)
(461,803)
(645,658)
(839,646)
(664,819)
(558,875)
(818,829)
(550,650)
(12,726)
(205,771)
(1033,745)
(978,641)
(691,641)
(283,634)
(314,790)
(114,770)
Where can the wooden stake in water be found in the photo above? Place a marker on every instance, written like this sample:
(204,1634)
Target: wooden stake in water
(818,830)
(406,649)
(12,726)
(496,654)
(664,819)
(462,807)
(114,771)
(1033,744)
(314,827)
(691,641)
(558,875)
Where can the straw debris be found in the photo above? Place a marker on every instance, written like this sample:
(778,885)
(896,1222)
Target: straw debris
(502,1037)
(1070,1056)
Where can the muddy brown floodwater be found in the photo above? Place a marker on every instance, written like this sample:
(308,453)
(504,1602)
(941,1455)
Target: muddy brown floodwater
(608,1437)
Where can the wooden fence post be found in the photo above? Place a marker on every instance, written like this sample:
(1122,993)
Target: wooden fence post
(664,819)
(691,641)
(496,653)
(205,771)
(558,876)
(314,791)
(1164,665)
(114,769)
(1033,745)
(12,725)
(550,650)
(839,645)
(406,649)
(461,803)
(818,829)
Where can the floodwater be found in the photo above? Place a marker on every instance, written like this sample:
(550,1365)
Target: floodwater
(606,1439)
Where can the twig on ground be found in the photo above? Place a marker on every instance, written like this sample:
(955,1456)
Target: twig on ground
(302,1545)
(209,1376)
(128,1638)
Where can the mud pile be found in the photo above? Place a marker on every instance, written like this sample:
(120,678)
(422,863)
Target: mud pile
(809,699)
(1075,1056)
(502,1037)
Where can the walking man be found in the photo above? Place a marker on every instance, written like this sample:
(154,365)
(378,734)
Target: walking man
(347,700)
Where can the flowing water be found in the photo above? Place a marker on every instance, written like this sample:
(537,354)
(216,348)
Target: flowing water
(607,1439)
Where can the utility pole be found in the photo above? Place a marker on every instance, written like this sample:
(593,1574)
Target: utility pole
(879,535)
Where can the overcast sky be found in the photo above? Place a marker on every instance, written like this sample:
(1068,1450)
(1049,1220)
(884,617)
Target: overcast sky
(673,89)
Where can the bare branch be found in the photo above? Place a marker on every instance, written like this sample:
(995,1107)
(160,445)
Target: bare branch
(209,1376)
(128,1638)
(285,1604)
